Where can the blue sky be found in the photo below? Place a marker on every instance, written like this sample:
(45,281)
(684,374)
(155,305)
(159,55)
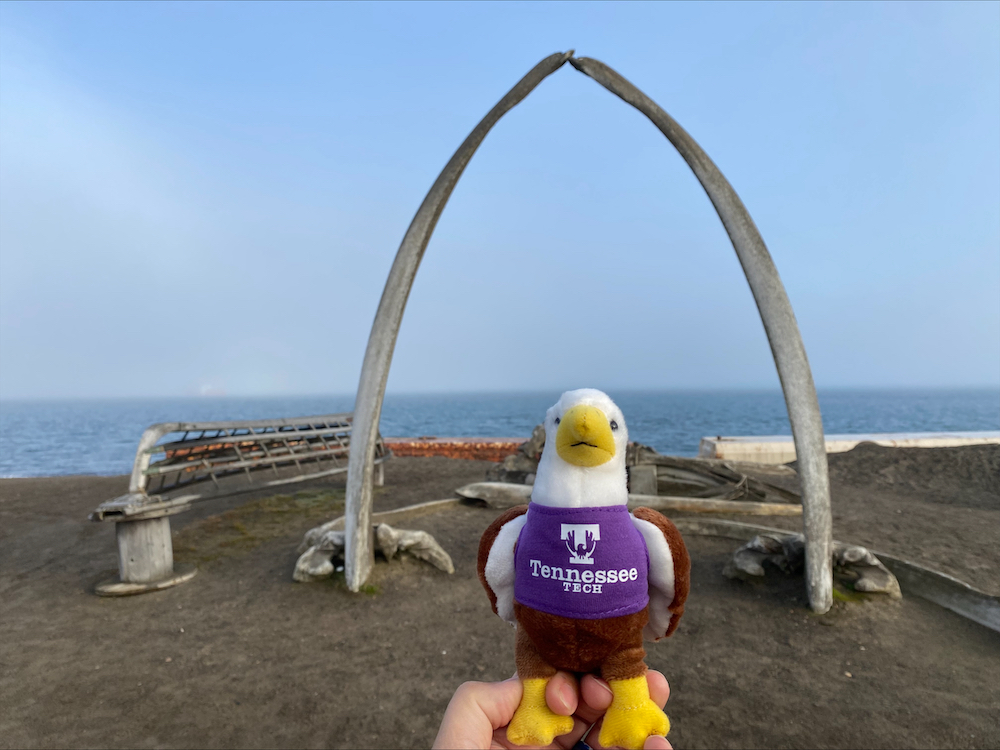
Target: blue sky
(208,197)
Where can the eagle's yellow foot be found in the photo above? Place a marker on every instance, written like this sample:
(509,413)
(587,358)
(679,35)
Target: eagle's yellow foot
(632,716)
(534,723)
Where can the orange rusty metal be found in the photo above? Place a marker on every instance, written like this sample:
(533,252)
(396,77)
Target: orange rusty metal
(477,448)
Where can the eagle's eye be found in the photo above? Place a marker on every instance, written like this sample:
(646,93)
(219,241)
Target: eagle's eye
(614,425)
(557,420)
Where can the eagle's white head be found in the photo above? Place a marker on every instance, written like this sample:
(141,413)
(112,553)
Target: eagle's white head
(583,462)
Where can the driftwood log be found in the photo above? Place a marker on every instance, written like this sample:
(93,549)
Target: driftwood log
(504,495)
(651,473)
(708,477)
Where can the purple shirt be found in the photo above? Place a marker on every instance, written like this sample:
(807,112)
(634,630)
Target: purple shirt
(583,563)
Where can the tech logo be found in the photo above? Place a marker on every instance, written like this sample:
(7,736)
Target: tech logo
(581,541)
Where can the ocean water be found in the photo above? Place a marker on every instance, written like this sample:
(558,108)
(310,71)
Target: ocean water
(43,438)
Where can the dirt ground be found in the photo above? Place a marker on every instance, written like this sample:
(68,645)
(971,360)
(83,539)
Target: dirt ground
(243,657)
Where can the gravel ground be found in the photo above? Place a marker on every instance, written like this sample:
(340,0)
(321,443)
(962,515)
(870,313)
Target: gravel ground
(243,657)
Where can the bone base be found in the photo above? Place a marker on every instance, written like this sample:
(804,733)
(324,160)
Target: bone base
(787,552)
(117,587)
(317,561)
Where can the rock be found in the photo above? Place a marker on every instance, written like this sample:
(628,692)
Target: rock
(533,448)
(515,468)
(520,467)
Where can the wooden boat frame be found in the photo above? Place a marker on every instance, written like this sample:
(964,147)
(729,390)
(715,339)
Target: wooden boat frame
(208,460)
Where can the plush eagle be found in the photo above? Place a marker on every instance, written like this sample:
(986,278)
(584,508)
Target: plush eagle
(582,578)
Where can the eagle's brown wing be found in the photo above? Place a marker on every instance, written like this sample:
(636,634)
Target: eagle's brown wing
(486,545)
(667,593)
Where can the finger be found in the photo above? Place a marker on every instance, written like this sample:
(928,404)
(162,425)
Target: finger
(497,700)
(476,709)
(595,697)
(562,697)
(659,689)
(596,694)
(561,694)
(656,742)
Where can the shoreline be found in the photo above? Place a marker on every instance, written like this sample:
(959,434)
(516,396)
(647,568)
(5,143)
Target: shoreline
(79,437)
(763,449)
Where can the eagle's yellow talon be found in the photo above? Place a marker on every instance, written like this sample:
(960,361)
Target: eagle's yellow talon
(534,723)
(632,716)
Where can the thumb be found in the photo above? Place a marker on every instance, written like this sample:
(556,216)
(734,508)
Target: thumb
(475,711)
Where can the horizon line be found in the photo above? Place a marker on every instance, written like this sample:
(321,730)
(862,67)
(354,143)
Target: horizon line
(502,392)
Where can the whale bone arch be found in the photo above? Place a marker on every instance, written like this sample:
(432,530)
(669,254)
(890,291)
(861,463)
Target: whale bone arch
(769,294)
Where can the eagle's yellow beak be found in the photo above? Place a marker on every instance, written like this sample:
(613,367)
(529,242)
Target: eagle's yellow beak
(584,437)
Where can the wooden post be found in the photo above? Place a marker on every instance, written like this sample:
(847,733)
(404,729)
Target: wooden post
(145,558)
(642,479)
(145,551)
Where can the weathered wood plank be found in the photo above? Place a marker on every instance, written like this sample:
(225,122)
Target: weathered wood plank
(706,505)
(145,550)
(504,495)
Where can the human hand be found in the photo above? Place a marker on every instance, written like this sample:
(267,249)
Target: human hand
(479,712)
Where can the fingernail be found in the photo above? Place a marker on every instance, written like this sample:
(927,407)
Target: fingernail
(607,688)
(566,695)
(657,742)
